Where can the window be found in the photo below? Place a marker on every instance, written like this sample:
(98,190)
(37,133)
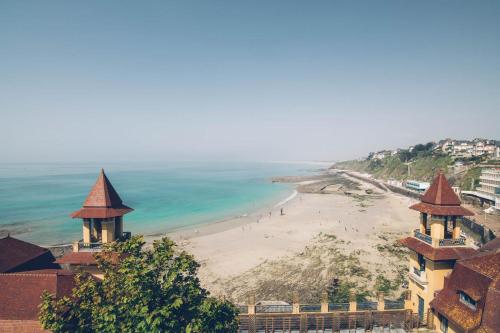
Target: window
(443,324)
(421,262)
(467,300)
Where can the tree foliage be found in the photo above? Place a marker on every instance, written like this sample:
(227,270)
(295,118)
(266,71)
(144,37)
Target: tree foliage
(153,290)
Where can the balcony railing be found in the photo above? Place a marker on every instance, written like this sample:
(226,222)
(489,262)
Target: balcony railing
(452,242)
(90,247)
(422,237)
(126,235)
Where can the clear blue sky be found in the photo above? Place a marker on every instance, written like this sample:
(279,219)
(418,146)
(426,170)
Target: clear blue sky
(262,80)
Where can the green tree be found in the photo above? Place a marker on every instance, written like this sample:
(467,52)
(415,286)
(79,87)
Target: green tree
(143,290)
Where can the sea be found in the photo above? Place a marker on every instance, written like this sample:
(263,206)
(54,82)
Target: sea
(36,199)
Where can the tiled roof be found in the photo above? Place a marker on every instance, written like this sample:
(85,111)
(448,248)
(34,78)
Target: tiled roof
(441,210)
(20,292)
(492,245)
(479,277)
(78,258)
(440,199)
(437,254)
(102,202)
(15,252)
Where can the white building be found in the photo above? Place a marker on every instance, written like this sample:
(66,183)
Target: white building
(490,185)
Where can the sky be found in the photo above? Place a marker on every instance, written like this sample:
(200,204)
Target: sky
(243,80)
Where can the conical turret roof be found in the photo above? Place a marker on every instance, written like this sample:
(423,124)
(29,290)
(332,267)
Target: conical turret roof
(441,193)
(103,194)
(103,201)
(440,199)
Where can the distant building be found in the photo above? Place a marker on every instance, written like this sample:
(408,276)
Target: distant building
(381,154)
(490,185)
(417,186)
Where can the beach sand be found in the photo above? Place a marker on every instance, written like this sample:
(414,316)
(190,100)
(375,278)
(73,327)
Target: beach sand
(239,256)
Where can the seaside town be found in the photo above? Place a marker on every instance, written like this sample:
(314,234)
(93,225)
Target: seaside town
(450,280)
(272,166)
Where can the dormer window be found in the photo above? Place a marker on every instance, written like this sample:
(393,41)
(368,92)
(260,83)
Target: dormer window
(467,300)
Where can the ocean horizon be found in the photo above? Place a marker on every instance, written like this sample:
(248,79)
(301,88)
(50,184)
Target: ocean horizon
(37,198)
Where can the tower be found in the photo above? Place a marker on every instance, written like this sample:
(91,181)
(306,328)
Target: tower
(436,245)
(102,215)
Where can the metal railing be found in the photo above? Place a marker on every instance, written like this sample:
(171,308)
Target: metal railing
(452,242)
(126,235)
(273,309)
(422,237)
(362,306)
(310,308)
(393,305)
(338,307)
(90,247)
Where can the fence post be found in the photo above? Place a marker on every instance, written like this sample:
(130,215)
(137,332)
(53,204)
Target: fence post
(251,305)
(324,302)
(380,301)
(352,301)
(295,303)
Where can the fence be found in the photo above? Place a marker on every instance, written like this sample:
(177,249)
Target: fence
(328,322)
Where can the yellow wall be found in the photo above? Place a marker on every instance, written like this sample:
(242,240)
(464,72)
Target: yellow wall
(86,231)
(108,231)
(435,273)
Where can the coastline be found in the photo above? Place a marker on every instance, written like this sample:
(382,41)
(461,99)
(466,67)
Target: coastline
(181,234)
(249,253)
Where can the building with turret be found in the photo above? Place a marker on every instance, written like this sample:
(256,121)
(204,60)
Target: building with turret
(102,222)
(436,244)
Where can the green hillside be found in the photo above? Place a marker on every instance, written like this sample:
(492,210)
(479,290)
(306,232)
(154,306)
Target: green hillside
(422,167)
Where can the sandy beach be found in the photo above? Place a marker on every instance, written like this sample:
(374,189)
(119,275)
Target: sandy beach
(250,254)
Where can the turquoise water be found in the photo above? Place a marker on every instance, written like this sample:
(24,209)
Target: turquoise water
(36,199)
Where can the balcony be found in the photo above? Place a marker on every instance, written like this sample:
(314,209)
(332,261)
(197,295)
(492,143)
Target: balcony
(418,276)
(87,247)
(444,242)
(423,237)
(96,246)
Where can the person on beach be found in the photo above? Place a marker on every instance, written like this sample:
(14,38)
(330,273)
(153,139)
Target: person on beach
(281,211)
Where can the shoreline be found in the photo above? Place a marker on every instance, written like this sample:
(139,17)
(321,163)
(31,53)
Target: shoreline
(186,233)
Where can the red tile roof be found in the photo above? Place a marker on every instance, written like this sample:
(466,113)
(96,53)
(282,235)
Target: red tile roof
(441,210)
(20,292)
(441,193)
(102,202)
(78,258)
(440,199)
(437,254)
(479,277)
(15,252)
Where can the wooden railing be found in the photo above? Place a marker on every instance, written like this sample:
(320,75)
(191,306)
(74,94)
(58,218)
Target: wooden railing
(329,322)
